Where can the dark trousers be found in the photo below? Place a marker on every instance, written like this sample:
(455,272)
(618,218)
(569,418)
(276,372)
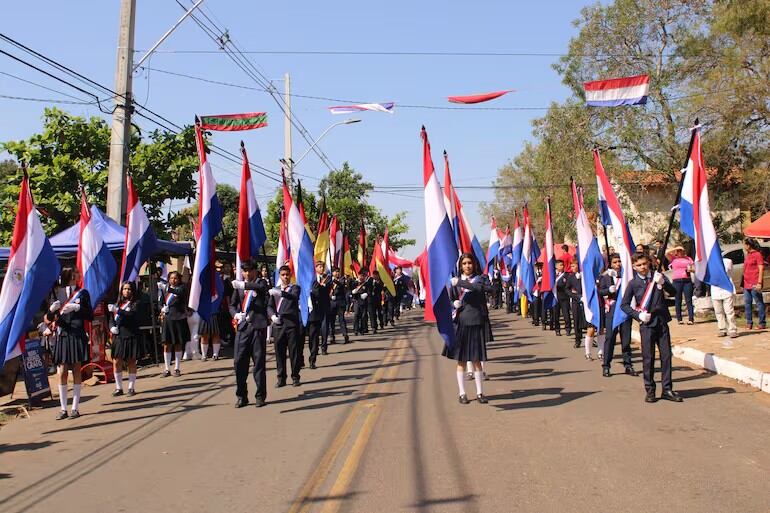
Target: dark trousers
(610,337)
(287,338)
(373,316)
(683,288)
(536,307)
(337,314)
(250,345)
(316,332)
(360,318)
(652,336)
(578,320)
(563,308)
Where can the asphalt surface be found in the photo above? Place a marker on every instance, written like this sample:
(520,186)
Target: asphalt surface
(378,428)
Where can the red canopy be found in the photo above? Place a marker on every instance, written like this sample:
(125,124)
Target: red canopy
(759,228)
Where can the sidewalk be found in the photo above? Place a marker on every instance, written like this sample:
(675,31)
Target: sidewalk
(748,360)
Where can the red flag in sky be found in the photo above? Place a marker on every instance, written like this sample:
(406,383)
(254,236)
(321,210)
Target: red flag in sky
(478,98)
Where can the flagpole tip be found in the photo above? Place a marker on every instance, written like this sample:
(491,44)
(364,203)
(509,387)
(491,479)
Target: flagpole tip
(243,146)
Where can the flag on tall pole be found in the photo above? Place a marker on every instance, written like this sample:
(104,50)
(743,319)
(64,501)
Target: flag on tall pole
(612,214)
(206,287)
(301,207)
(335,245)
(527,264)
(301,251)
(31,272)
(591,261)
(282,253)
(140,243)
(494,244)
(695,220)
(251,229)
(547,292)
(94,260)
(441,248)
(381,267)
(362,245)
(322,241)
(347,256)
(450,203)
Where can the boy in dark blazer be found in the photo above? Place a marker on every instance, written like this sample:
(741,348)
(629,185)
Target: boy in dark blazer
(283,308)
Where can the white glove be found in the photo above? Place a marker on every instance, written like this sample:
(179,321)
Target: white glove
(613,273)
(70,307)
(164,309)
(114,330)
(457,303)
(111,307)
(238,284)
(54,306)
(577,275)
(454,281)
(658,278)
(47,332)
(364,295)
(334,298)
(275,319)
(613,288)
(239,317)
(645,317)
(275,292)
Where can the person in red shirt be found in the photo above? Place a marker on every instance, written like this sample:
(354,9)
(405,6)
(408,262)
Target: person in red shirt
(753,270)
(566,257)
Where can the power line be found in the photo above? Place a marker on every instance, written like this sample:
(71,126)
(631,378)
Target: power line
(16,77)
(404,53)
(45,100)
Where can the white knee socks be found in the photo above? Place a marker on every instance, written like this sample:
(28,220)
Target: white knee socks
(588,342)
(75,397)
(217,345)
(204,350)
(63,397)
(167,359)
(477,378)
(119,381)
(131,381)
(461,381)
(178,355)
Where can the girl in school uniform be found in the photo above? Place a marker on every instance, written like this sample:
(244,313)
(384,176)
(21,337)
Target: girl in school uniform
(126,342)
(66,317)
(173,316)
(472,327)
(208,331)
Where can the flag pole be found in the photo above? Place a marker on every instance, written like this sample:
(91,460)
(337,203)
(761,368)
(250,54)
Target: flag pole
(662,250)
(606,244)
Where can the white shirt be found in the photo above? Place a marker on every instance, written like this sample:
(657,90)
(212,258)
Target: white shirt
(720,293)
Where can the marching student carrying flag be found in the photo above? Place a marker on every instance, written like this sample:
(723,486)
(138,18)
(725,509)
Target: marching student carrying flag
(494,244)
(301,251)
(547,292)
(282,253)
(695,219)
(141,243)
(612,214)
(206,288)
(251,229)
(380,265)
(94,261)
(590,259)
(31,272)
(527,263)
(441,253)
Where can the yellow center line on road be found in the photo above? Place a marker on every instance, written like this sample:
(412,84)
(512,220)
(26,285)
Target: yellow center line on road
(316,480)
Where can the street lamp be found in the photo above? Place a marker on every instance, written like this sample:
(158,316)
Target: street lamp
(291,164)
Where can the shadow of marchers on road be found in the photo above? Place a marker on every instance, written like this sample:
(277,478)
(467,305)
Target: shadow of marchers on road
(530,374)
(26,447)
(427,503)
(324,498)
(3,475)
(698,392)
(354,399)
(701,375)
(562,398)
(525,359)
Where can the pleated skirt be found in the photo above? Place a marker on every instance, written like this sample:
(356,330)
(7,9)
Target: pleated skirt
(176,331)
(470,343)
(71,348)
(211,327)
(126,348)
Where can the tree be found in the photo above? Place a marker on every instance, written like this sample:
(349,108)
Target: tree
(227,239)
(72,150)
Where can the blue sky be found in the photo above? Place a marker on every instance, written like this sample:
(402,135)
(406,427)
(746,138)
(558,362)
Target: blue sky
(385,148)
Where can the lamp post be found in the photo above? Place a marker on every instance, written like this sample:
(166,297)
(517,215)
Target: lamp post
(291,164)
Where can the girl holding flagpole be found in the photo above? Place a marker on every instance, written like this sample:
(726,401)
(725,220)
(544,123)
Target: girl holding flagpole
(67,317)
(173,316)
(472,327)
(126,342)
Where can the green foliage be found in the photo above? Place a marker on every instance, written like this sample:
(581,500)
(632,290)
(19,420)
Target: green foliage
(73,150)
(182,221)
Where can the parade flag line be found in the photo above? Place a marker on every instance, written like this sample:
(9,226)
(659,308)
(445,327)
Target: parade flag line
(140,243)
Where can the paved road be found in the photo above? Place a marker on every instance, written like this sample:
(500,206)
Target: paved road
(377,428)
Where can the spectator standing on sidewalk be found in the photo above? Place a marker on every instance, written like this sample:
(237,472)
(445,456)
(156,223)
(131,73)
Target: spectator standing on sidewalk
(682,267)
(753,271)
(723,307)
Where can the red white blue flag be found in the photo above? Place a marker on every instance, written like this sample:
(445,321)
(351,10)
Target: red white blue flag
(251,230)
(362,107)
(547,292)
(141,243)
(617,91)
(300,252)
(94,260)
(591,261)
(494,244)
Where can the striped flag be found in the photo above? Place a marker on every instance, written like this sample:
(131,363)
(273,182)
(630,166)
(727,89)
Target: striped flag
(466,240)
(141,243)
(494,244)
(282,252)
(234,122)
(322,241)
(548,294)
(362,245)
(31,272)
(617,91)
(529,254)
(206,287)
(362,107)
(441,248)
(591,261)
(612,214)
(94,260)
(251,229)
(695,220)
(301,251)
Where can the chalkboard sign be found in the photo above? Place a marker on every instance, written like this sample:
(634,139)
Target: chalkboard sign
(35,372)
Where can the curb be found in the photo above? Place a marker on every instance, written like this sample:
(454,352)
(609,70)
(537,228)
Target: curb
(718,365)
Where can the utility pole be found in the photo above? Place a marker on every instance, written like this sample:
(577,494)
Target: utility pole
(287,129)
(121,118)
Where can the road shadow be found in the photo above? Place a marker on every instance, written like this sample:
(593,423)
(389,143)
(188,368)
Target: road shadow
(324,498)
(525,359)
(382,365)
(341,377)
(510,345)
(530,374)
(701,375)
(427,504)
(560,398)
(353,399)
(354,362)
(698,392)
(3,475)
(26,447)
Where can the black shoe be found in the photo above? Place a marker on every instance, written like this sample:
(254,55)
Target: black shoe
(260,402)
(241,402)
(74,414)
(177,373)
(280,383)
(166,373)
(650,397)
(576,345)
(312,365)
(347,340)
(670,395)
(569,333)
(131,392)
(62,415)
(464,399)
(558,333)
(631,371)
(295,382)
(324,352)
(606,372)
(480,398)
(117,392)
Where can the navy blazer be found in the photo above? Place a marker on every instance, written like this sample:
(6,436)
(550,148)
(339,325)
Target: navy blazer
(319,298)
(127,320)
(256,314)
(658,308)
(473,310)
(289,306)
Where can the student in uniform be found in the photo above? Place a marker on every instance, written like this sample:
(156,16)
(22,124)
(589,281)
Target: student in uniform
(283,309)
(609,282)
(126,339)
(651,311)
(400,283)
(472,326)
(318,333)
(248,306)
(337,306)
(574,290)
(360,295)
(375,303)
(173,318)
(67,317)
(563,300)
